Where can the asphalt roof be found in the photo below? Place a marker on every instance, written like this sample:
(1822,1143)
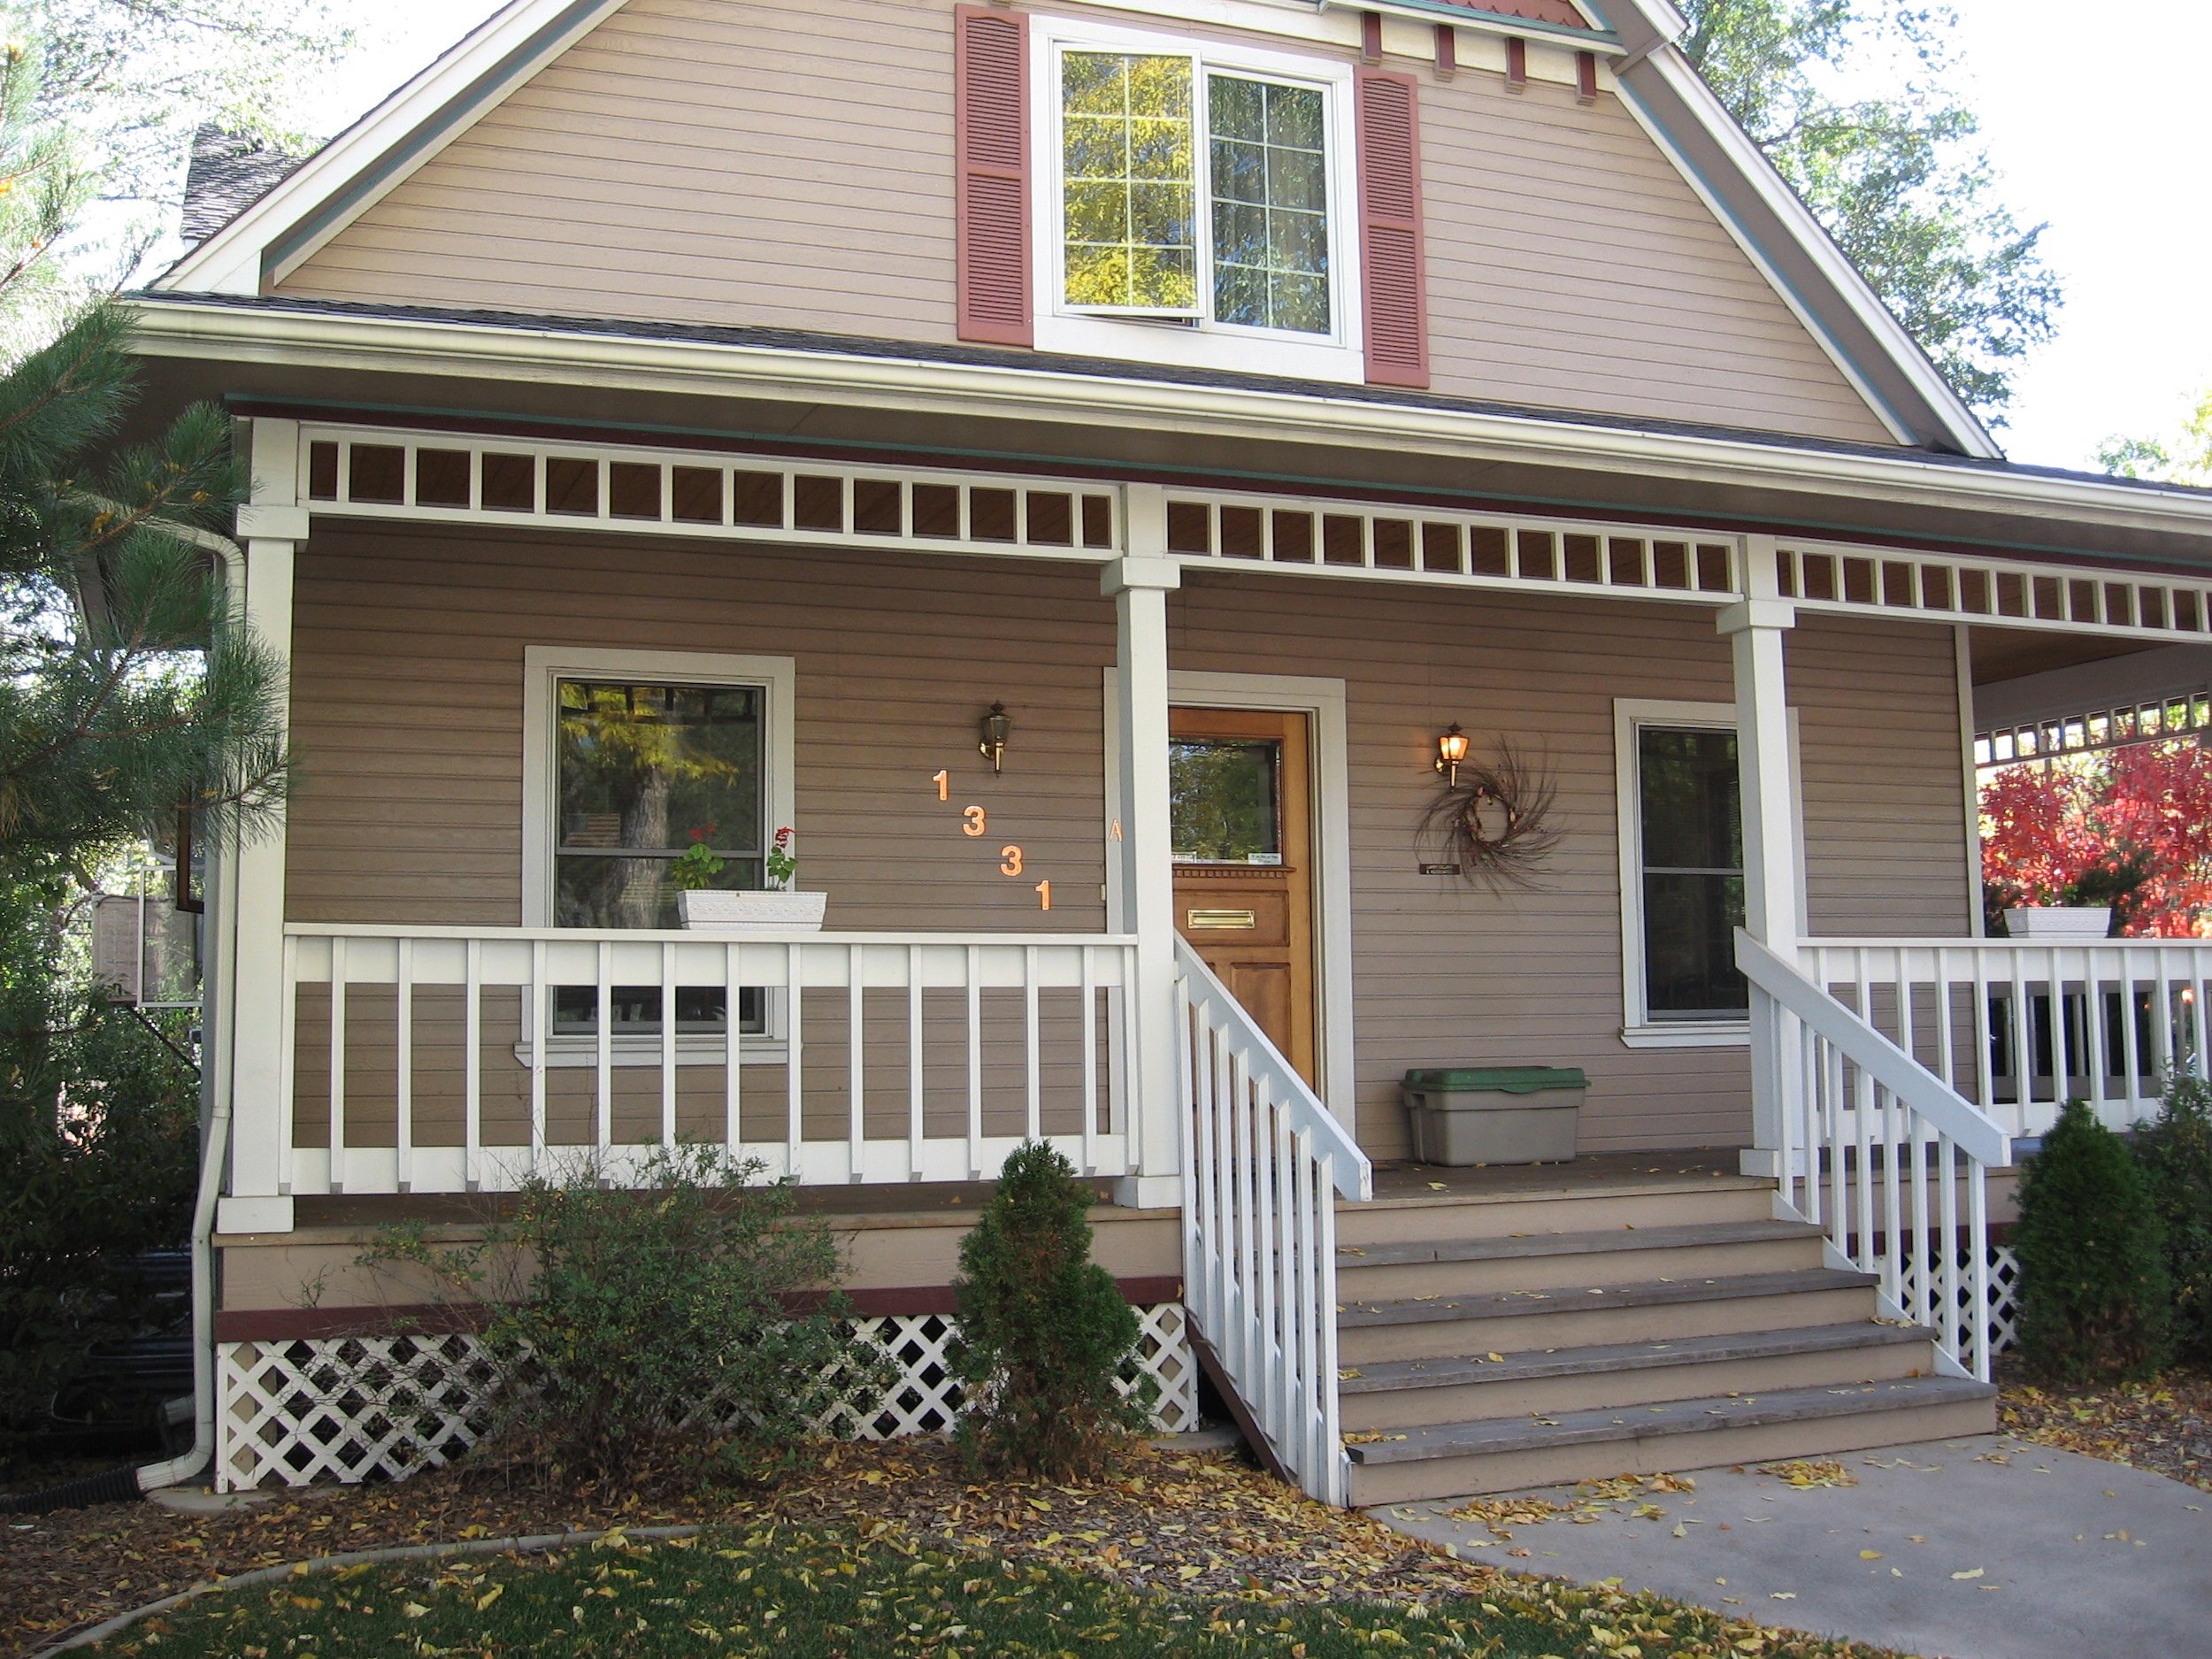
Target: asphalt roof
(229,174)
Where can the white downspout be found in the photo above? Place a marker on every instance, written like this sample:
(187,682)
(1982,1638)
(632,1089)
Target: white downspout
(215,1042)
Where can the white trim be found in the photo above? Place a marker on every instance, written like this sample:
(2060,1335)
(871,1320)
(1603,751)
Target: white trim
(1639,1029)
(373,158)
(977,392)
(542,667)
(1963,657)
(1341,357)
(1322,700)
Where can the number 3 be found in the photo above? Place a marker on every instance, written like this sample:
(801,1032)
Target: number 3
(1013,857)
(975,826)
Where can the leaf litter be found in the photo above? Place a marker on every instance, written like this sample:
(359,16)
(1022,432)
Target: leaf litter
(1188,1526)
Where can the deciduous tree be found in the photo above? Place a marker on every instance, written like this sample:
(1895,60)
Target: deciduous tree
(2046,830)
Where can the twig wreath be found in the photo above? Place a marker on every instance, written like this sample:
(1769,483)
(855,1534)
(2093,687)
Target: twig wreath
(1495,823)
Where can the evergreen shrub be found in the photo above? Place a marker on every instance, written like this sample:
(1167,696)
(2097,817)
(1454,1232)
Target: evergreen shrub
(2093,1294)
(1044,1330)
(2175,1153)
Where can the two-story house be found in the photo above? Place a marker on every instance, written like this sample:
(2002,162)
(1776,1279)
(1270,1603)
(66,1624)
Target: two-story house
(1112,478)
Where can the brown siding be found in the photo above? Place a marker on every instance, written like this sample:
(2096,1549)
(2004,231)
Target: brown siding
(1882,761)
(408,715)
(791,164)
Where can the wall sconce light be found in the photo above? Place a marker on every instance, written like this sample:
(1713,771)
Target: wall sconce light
(994,728)
(1451,749)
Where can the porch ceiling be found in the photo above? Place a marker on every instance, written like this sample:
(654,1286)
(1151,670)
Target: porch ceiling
(1122,422)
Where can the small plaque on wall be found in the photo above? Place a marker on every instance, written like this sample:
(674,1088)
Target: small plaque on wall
(1440,870)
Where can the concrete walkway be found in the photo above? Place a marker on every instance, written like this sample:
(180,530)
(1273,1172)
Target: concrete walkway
(1982,1548)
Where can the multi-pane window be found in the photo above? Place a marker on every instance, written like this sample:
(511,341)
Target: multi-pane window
(1690,820)
(643,773)
(1234,230)
(1270,204)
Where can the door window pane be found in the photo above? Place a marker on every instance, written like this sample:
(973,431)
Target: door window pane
(1270,204)
(1129,179)
(1692,822)
(1225,800)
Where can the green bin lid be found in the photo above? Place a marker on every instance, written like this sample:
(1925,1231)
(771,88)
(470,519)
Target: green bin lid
(1503,1079)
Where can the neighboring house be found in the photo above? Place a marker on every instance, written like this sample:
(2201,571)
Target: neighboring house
(676,420)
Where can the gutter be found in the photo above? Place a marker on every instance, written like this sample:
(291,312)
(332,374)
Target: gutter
(169,329)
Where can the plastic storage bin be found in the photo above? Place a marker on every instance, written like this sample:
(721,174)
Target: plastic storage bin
(1505,1114)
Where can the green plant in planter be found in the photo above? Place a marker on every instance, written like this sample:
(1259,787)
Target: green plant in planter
(2175,1153)
(699,865)
(2094,1293)
(1044,1332)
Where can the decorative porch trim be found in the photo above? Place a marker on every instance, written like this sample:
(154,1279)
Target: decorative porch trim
(361,471)
(1841,577)
(539,483)
(299,1411)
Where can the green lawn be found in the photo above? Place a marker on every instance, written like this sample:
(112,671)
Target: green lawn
(803,1594)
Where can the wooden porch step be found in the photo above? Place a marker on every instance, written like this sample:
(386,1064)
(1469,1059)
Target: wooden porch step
(1391,1375)
(1505,1454)
(1521,1244)
(1577,1317)
(1649,1293)
(1397,1393)
(1537,1261)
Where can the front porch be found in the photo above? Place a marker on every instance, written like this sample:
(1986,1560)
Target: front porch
(402,1010)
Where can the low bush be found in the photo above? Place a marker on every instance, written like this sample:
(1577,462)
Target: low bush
(623,1320)
(2094,1293)
(1044,1334)
(2175,1153)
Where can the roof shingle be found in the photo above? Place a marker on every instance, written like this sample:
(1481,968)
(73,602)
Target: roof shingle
(230,172)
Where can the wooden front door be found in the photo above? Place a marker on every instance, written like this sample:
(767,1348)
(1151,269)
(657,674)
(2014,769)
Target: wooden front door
(1241,783)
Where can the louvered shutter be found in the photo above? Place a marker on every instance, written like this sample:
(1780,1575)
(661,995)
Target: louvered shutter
(1395,295)
(991,114)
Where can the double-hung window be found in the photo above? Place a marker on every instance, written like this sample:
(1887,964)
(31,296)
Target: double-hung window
(633,760)
(1682,874)
(1205,192)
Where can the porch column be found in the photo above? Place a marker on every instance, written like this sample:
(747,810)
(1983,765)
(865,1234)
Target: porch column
(1755,626)
(258,1198)
(1140,583)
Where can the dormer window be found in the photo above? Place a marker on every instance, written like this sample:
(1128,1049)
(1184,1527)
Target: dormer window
(1134,174)
(1192,202)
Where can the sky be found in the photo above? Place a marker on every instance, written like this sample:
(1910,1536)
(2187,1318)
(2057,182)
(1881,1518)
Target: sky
(2087,141)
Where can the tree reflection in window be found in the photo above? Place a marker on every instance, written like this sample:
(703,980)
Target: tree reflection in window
(645,772)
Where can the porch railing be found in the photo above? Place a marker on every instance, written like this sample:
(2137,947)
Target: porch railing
(2021,1026)
(1263,1162)
(445,1060)
(1878,1149)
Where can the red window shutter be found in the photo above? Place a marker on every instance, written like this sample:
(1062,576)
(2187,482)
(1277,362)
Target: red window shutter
(1390,262)
(991,119)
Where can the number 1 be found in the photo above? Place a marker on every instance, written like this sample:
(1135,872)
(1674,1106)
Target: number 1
(1044,894)
(943,780)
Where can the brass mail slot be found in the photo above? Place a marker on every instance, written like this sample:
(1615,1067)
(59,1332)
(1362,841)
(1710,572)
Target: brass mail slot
(1221,918)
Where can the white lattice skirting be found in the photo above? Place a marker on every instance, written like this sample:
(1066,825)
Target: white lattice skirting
(380,1407)
(2004,1299)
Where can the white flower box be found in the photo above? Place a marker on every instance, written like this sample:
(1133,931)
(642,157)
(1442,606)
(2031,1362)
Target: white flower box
(752,912)
(2060,921)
